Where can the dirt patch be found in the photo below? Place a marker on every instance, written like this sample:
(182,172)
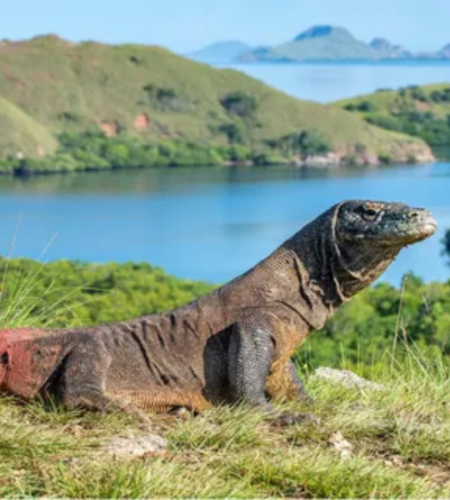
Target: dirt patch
(142,121)
(110,129)
(422,106)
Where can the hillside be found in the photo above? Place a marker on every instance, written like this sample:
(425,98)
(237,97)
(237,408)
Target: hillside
(21,134)
(419,111)
(150,93)
(221,51)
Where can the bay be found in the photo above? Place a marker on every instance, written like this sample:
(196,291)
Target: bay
(206,223)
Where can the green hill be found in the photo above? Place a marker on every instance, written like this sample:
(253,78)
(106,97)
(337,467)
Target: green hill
(152,94)
(21,134)
(419,111)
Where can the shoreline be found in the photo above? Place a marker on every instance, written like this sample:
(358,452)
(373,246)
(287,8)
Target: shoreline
(319,162)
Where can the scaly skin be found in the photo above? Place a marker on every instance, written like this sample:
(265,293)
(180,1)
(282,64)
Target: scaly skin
(234,344)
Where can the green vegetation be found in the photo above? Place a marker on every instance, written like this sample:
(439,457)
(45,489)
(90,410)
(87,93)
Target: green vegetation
(383,318)
(240,104)
(446,243)
(303,144)
(153,96)
(417,111)
(95,151)
(65,293)
(21,135)
(399,436)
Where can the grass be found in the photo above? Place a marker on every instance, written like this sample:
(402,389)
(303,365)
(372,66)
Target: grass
(79,87)
(387,101)
(22,133)
(422,111)
(400,436)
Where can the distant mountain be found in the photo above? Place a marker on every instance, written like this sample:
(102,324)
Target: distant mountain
(317,43)
(334,43)
(445,52)
(384,49)
(263,54)
(222,51)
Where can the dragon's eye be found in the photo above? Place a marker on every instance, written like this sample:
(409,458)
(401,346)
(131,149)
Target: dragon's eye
(4,358)
(370,214)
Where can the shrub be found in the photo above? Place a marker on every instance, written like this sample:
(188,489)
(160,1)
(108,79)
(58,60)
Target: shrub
(240,104)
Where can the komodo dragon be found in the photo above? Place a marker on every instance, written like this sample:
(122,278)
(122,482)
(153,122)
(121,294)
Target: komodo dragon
(234,344)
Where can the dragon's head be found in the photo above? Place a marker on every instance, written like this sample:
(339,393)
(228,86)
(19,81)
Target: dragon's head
(368,235)
(380,225)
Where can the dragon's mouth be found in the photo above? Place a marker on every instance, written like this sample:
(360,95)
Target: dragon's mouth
(429,227)
(426,229)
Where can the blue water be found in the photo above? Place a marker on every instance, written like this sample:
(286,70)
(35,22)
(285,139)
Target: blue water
(329,82)
(200,223)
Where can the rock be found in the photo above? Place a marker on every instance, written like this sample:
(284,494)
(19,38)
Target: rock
(135,446)
(345,378)
(341,445)
(394,461)
(318,161)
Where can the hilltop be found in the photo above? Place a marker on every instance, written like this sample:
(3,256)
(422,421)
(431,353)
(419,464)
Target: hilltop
(422,111)
(154,95)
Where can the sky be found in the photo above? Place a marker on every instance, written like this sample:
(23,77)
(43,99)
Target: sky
(187,25)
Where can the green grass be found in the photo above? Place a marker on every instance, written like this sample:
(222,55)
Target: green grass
(22,134)
(400,437)
(75,88)
(385,101)
(422,111)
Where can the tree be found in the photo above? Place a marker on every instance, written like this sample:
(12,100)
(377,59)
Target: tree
(446,243)
(164,98)
(303,143)
(240,104)
(233,132)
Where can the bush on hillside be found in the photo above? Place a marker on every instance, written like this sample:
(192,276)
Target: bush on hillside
(240,104)
(303,143)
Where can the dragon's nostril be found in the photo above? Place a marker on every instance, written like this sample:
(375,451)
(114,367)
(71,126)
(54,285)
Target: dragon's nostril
(4,358)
